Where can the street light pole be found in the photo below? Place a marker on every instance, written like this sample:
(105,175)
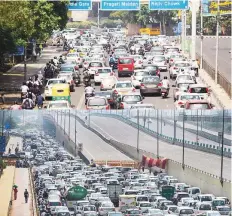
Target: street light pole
(69,124)
(64,121)
(197,128)
(157,134)
(217,42)
(222,148)
(98,15)
(202,32)
(183,165)
(174,137)
(75,133)
(194,29)
(25,63)
(138,135)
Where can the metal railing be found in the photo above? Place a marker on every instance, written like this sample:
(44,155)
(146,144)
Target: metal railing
(221,80)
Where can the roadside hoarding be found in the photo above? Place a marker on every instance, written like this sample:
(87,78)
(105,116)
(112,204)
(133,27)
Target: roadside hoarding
(210,7)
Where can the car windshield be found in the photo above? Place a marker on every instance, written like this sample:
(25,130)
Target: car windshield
(89,208)
(205,207)
(142,73)
(150,80)
(182,65)
(145,205)
(95,64)
(56,81)
(105,70)
(201,106)
(58,105)
(159,58)
(190,97)
(124,85)
(142,199)
(133,212)
(131,193)
(186,211)
(202,90)
(172,209)
(125,61)
(184,77)
(132,98)
(66,68)
(224,209)
(97,102)
(71,55)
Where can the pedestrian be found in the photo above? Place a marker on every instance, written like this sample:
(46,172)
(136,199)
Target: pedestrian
(15,193)
(26,195)
(9,151)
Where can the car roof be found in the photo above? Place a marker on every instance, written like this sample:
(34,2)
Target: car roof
(200,102)
(198,85)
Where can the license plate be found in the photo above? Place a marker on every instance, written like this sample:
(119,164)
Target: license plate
(125,68)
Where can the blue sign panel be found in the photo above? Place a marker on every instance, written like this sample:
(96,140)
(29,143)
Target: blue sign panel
(82,5)
(168,4)
(2,143)
(7,126)
(205,6)
(123,5)
(20,51)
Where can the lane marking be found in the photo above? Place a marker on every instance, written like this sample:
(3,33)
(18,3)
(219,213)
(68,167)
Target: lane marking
(81,102)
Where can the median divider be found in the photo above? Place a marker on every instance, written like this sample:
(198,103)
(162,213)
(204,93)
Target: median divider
(207,182)
(188,144)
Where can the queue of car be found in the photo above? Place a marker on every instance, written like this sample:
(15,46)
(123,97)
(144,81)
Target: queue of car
(141,73)
(110,190)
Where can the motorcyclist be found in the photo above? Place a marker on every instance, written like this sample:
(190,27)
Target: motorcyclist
(55,60)
(40,100)
(29,82)
(166,84)
(111,60)
(141,51)
(24,89)
(27,103)
(86,77)
(132,49)
(89,90)
(61,60)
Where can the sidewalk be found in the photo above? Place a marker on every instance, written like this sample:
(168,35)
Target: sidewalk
(6,184)
(15,76)
(218,92)
(19,207)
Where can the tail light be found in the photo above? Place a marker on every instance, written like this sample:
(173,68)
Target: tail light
(180,103)
(142,85)
(158,72)
(171,60)
(175,68)
(133,90)
(121,105)
(115,92)
(96,74)
(102,86)
(108,107)
(140,62)
(160,84)
(78,59)
(76,67)
(190,90)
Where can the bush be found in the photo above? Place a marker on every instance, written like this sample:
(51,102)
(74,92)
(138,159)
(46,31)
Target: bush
(81,25)
(111,23)
(2,164)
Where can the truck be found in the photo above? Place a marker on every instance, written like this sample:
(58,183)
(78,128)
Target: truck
(114,191)
(126,202)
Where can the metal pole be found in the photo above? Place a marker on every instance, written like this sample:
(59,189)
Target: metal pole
(194,29)
(98,15)
(57,117)
(197,129)
(89,118)
(138,135)
(222,149)
(183,165)
(61,120)
(64,120)
(69,124)
(148,124)
(75,133)
(201,120)
(174,139)
(161,122)
(217,43)
(157,134)
(25,63)
(144,119)
(202,37)
(183,34)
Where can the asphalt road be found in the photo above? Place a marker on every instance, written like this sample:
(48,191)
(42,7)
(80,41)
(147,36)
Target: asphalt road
(93,146)
(209,54)
(126,134)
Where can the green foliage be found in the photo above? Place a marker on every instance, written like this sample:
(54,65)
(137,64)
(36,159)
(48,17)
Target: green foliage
(111,23)
(81,25)
(2,164)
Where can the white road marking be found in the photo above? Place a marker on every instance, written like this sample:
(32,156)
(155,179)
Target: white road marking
(81,102)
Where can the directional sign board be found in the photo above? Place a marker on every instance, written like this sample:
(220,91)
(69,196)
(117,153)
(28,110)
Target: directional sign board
(168,4)
(123,5)
(81,5)
(20,51)
(2,143)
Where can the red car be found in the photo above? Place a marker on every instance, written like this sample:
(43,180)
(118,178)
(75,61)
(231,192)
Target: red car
(125,66)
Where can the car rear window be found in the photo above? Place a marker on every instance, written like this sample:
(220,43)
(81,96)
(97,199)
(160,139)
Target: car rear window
(58,105)
(151,80)
(159,58)
(200,106)
(56,82)
(186,211)
(125,61)
(105,70)
(142,73)
(95,64)
(97,102)
(124,85)
(66,68)
(132,98)
(182,65)
(190,97)
(54,203)
(199,90)
(145,205)
(205,207)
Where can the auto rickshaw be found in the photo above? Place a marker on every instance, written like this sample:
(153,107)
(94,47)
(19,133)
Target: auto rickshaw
(61,92)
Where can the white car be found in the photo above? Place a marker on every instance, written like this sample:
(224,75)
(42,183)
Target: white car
(93,67)
(105,207)
(143,206)
(59,104)
(160,61)
(137,77)
(183,97)
(108,83)
(138,61)
(183,77)
(76,57)
(122,87)
(48,87)
(102,73)
(177,67)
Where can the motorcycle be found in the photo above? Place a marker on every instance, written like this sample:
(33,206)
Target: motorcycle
(87,96)
(86,81)
(164,92)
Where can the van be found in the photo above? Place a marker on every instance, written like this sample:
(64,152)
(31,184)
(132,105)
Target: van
(53,201)
(125,66)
